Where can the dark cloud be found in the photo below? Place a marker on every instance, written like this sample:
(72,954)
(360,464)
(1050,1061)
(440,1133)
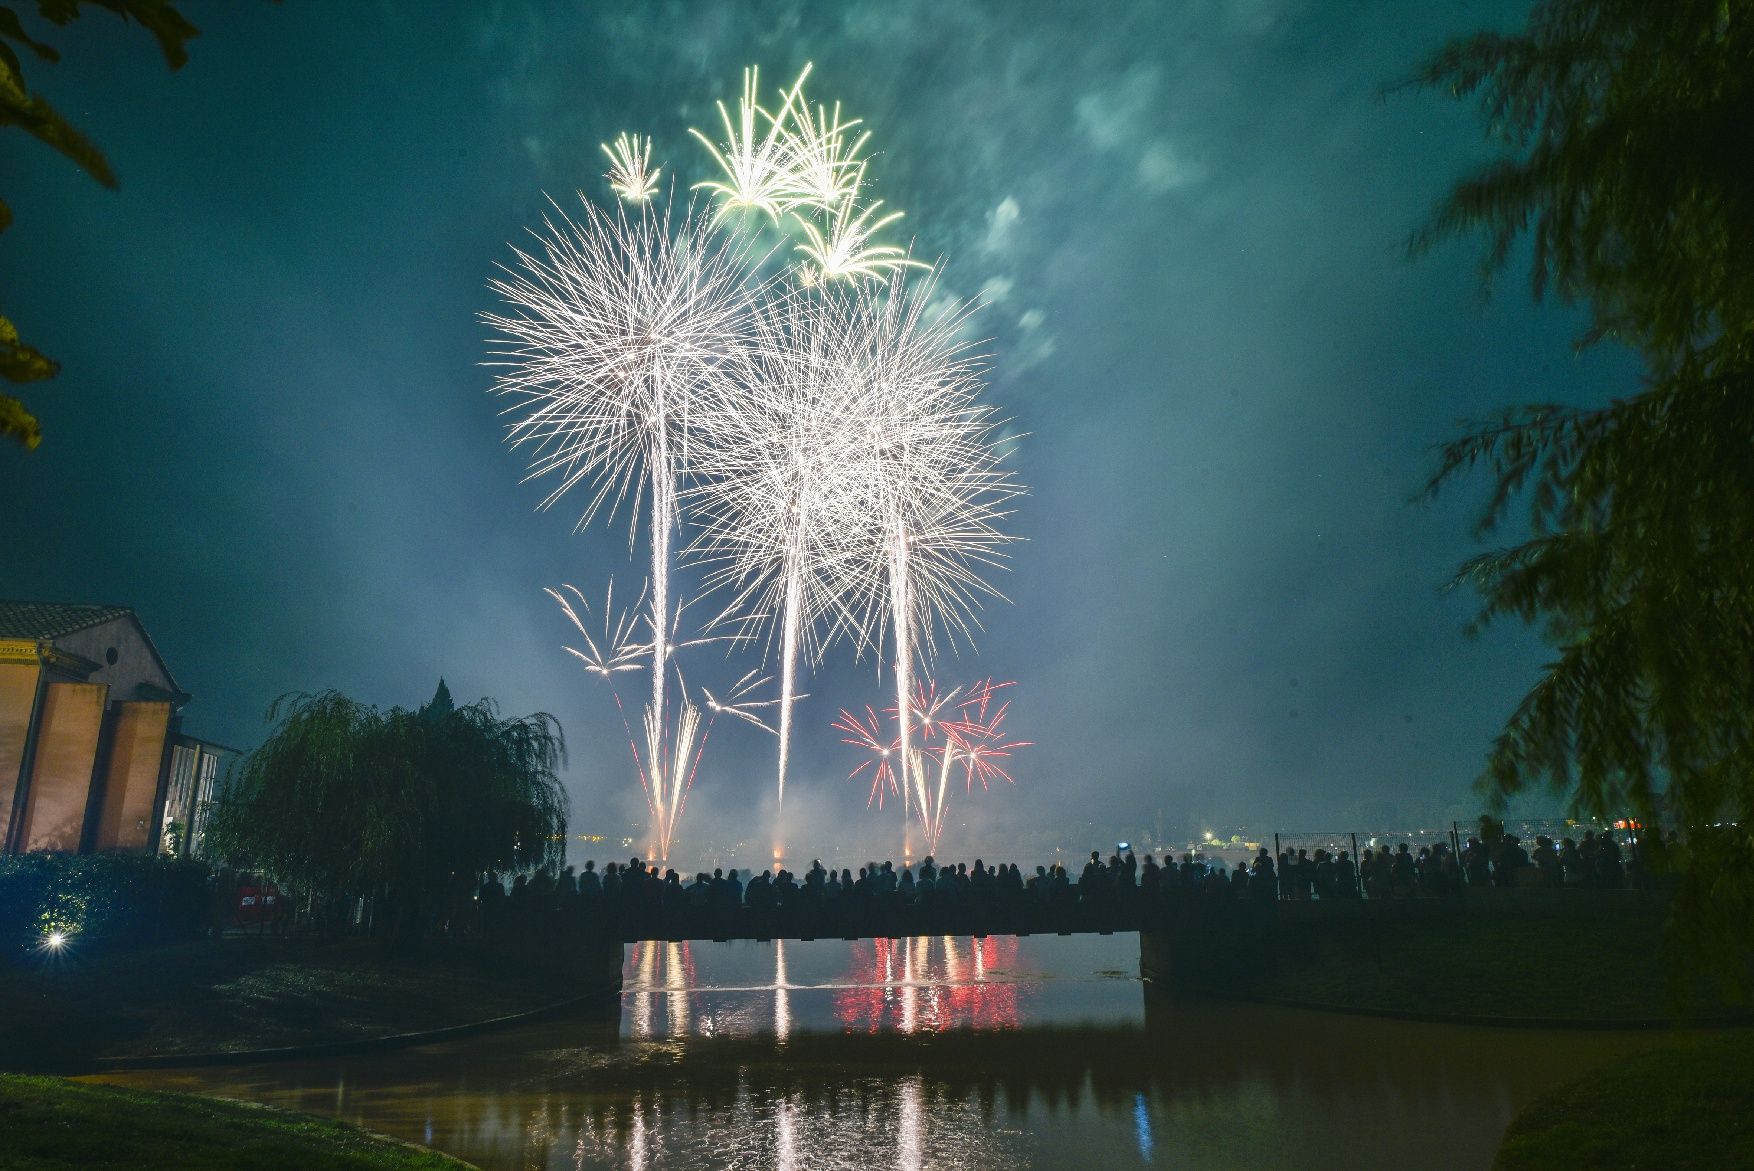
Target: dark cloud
(272,435)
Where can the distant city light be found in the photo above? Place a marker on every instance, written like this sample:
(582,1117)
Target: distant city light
(55,940)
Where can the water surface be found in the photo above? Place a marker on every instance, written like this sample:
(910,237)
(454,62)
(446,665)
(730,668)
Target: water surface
(924,1053)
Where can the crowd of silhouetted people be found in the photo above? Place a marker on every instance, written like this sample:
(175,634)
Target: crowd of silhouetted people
(636,898)
(1400,871)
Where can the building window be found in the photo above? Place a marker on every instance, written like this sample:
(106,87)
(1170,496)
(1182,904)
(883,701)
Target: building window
(110,656)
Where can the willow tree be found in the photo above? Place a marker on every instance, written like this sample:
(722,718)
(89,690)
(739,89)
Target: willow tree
(344,800)
(1627,130)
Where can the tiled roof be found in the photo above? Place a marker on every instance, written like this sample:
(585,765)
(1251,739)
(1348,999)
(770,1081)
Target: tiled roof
(52,619)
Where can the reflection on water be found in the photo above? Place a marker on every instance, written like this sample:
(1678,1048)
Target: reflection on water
(934,1052)
(931,983)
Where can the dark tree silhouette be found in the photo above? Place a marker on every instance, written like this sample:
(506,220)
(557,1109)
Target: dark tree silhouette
(1628,135)
(408,807)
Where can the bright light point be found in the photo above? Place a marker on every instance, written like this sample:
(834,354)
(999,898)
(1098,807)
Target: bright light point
(55,940)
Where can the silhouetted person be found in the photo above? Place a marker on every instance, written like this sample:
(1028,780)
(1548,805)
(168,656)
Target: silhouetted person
(1403,877)
(1345,877)
(1476,863)
(1512,858)
(1263,880)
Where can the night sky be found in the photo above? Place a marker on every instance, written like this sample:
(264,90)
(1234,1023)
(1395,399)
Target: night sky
(272,435)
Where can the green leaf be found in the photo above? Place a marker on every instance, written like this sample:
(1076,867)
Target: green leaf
(22,363)
(12,30)
(42,122)
(159,17)
(18,424)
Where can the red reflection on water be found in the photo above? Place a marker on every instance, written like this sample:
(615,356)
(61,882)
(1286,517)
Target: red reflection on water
(929,984)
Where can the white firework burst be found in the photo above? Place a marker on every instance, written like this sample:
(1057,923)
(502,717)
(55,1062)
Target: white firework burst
(772,497)
(631,175)
(853,485)
(617,331)
(932,485)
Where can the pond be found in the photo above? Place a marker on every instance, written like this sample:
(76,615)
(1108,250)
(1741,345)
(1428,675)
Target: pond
(934,1052)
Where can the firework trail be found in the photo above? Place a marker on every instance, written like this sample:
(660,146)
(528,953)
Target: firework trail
(956,727)
(668,766)
(867,733)
(929,485)
(617,329)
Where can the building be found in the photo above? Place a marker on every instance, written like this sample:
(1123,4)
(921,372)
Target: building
(92,753)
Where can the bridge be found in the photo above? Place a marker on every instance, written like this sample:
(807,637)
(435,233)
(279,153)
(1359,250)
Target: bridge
(1217,921)
(1189,942)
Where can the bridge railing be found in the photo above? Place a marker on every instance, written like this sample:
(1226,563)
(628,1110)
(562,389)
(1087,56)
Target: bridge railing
(883,915)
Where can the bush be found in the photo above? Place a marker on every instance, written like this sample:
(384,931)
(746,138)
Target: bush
(106,900)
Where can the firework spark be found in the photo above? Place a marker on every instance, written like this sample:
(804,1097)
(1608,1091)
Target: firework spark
(631,175)
(755,157)
(613,650)
(822,159)
(867,733)
(736,702)
(666,767)
(956,728)
(845,248)
(971,724)
(980,725)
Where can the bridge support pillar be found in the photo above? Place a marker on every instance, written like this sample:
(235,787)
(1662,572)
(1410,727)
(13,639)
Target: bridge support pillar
(1157,966)
(1207,948)
(599,965)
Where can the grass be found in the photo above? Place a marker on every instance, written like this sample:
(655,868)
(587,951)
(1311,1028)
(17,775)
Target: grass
(1690,1104)
(51,1124)
(234,995)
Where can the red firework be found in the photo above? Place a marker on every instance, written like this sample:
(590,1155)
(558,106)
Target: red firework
(867,734)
